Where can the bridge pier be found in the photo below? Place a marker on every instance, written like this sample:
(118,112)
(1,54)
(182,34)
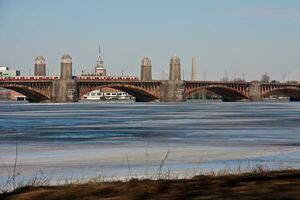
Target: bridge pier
(172,91)
(64,91)
(255,92)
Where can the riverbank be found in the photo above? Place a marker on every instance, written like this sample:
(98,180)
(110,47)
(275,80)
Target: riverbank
(273,185)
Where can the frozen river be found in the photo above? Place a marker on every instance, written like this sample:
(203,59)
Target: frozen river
(114,139)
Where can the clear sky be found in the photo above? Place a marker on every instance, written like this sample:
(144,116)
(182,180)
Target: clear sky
(238,36)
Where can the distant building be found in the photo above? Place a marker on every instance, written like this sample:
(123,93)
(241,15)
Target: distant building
(5,72)
(99,69)
(8,95)
(204,95)
(107,94)
(5,94)
(3,68)
(104,93)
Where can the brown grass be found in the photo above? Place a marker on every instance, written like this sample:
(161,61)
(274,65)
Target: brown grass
(271,185)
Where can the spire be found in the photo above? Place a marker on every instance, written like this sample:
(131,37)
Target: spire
(99,69)
(99,59)
(99,51)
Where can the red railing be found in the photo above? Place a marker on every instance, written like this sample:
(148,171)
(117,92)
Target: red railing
(107,78)
(26,78)
(45,78)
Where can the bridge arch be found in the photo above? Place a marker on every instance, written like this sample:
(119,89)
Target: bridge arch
(228,93)
(32,95)
(141,94)
(292,92)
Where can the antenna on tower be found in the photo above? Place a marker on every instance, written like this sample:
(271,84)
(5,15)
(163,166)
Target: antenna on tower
(99,50)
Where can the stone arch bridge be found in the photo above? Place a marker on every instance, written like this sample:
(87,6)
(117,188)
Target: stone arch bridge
(69,88)
(53,89)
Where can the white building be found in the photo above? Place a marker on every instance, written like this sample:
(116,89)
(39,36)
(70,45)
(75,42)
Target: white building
(107,94)
(5,72)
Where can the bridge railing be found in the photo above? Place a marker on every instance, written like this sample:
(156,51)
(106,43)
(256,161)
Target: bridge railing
(106,77)
(28,78)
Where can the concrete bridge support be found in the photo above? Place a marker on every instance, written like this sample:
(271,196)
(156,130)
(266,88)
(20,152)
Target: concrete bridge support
(65,89)
(172,91)
(255,92)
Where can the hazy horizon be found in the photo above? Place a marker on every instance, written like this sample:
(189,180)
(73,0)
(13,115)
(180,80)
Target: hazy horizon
(251,37)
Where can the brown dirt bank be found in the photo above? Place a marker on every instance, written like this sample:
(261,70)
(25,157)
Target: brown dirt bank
(266,185)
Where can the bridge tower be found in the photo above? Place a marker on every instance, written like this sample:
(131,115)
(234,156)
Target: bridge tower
(40,66)
(172,90)
(65,89)
(146,74)
(175,69)
(66,67)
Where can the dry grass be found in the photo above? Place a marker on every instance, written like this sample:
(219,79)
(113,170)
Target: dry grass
(250,182)
(255,185)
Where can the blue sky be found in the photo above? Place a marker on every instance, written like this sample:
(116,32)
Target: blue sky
(238,36)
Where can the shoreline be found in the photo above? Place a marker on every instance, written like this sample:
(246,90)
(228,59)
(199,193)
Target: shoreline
(258,184)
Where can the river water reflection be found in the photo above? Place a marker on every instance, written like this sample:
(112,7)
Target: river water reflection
(84,139)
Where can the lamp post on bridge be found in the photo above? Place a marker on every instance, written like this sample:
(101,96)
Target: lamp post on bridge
(226,76)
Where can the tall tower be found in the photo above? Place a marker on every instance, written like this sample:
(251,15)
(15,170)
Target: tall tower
(99,69)
(66,67)
(193,77)
(146,74)
(175,71)
(40,66)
